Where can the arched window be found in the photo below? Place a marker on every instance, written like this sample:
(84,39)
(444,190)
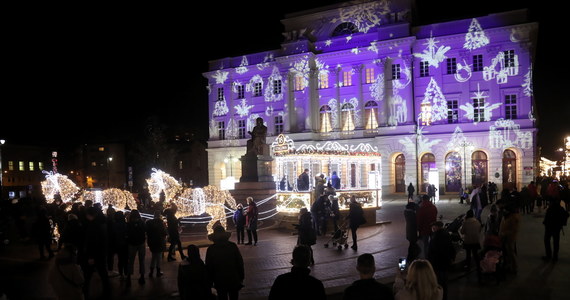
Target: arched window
(371,114)
(509,169)
(427,164)
(346,28)
(325,113)
(453,172)
(479,168)
(347,110)
(400,173)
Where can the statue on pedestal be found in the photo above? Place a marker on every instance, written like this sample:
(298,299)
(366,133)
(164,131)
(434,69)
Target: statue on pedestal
(257,145)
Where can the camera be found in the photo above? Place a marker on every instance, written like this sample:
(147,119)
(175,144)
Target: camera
(402,264)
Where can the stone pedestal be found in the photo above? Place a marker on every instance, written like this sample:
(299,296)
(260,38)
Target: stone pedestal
(256,168)
(257,190)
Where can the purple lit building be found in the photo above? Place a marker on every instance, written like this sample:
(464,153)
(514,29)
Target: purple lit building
(448,103)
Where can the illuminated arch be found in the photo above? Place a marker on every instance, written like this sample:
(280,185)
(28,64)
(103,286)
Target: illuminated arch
(509,169)
(371,114)
(453,172)
(427,162)
(325,122)
(347,111)
(345,28)
(399,162)
(479,167)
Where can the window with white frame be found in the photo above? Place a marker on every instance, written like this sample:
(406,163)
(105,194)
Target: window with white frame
(371,114)
(242,129)
(396,70)
(347,112)
(426,114)
(511,106)
(278,125)
(347,78)
(325,112)
(370,75)
(478,110)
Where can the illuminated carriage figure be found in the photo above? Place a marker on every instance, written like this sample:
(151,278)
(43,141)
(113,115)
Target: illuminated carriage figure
(358,166)
(188,201)
(58,184)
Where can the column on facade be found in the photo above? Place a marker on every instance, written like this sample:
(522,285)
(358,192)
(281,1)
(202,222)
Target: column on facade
(383,105)
(359,77)
(338,80)
(313,112)
(291,111)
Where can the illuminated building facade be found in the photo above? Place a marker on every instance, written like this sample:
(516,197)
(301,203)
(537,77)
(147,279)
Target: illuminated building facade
(449,104)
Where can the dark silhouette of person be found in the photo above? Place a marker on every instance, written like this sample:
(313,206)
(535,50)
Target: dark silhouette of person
(303,181)
(121,246)
(224,264)
(307,234)
(173,234)
(41,231)
(355,219)
(440,254)
(411,191)
(193,279)
(251,216)
(136,242)
(298,284)
(553,221)
(156,234)
(239,222)
(411,231)
(367,288)
(95,251)
(335,180)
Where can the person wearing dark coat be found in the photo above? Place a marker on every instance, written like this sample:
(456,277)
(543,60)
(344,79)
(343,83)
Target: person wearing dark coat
(65,275)
(411,191)
(73,232)
(355,218)
(173,234)
(553,222)
(335,181)
(251,216)
(239,222)
(95,251)
(303,181)
(42,233)
(193,280)
(156,234)
(335,209)
(307,234)
(317,210)
(136,240)
(120,240)
(110,230)
(441,254)
(426,215)
(225,265)
(367,288)
(298,284)
(411,231)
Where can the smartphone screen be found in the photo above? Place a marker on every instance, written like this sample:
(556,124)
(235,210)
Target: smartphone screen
(402,264)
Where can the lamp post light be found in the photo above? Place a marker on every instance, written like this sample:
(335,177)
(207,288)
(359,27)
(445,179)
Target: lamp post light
(109,160)
(466,146)
(1,170)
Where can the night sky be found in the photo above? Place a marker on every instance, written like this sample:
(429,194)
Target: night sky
(83,73)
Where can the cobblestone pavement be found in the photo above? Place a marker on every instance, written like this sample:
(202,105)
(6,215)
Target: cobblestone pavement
(24,277)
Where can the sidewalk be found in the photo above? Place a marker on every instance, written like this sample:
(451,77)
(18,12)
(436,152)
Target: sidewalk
(271,257)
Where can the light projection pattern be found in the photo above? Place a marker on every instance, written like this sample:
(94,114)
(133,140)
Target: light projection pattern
(191,202)
(220,108)
(269,110)
(506,133)
(355,111)
(209,89)
(527,84)
(328,43)
(457,139)
(397,105)
(242,69)
(436,100)
(355,50)
(334,113)
(269,95)
(487,107)
(251,122)
(231,131)
(463,73)
(213,128)
(364,16)
(266,62)
(220,76)
(515,35)
(424,144)
(377,88)
(475,37)
(433,54)
(504,72)
(251,85)
(373,47)
(242,109)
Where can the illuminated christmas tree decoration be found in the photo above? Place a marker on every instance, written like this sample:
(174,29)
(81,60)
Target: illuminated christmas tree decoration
(271,92)
(437,101)
(243,66)
(475,37)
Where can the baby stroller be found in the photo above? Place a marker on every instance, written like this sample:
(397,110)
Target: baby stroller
(492,259)
(453,230)
(339,237)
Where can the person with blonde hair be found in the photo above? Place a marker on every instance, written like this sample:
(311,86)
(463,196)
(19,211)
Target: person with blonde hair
(420,283)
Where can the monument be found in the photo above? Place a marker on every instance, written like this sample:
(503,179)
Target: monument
(257,179)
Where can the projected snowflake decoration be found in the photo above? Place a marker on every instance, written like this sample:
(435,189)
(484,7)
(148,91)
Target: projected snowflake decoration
(486,109)
(243,66)
(328,43)
(463,73)
(220,76)
(527,84)
(435,98)
(220,108)
(269,94)
(242,109)
(433,54)
(506,133)
(475,37)
(373,47)
(355,50)
(364,16)
(377,88)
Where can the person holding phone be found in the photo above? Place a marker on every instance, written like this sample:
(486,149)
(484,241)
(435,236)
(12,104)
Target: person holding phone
(420,282)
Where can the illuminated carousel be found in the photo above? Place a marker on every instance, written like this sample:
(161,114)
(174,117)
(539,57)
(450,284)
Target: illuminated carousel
(357,166)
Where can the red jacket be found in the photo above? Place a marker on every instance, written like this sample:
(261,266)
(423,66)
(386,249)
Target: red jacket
(532,191)
(427,214)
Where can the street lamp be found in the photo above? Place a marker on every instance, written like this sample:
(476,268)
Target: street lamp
(1,170)
(109,160)
(465,145)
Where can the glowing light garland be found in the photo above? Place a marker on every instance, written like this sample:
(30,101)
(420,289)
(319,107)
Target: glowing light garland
(56,183)
(475,37)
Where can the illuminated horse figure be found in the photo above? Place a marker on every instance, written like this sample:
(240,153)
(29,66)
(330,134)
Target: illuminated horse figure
(70,192)
(191,202)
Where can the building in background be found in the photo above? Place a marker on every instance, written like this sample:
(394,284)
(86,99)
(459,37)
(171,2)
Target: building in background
(191,161)
(22,168)
(449,104)
(97,165)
